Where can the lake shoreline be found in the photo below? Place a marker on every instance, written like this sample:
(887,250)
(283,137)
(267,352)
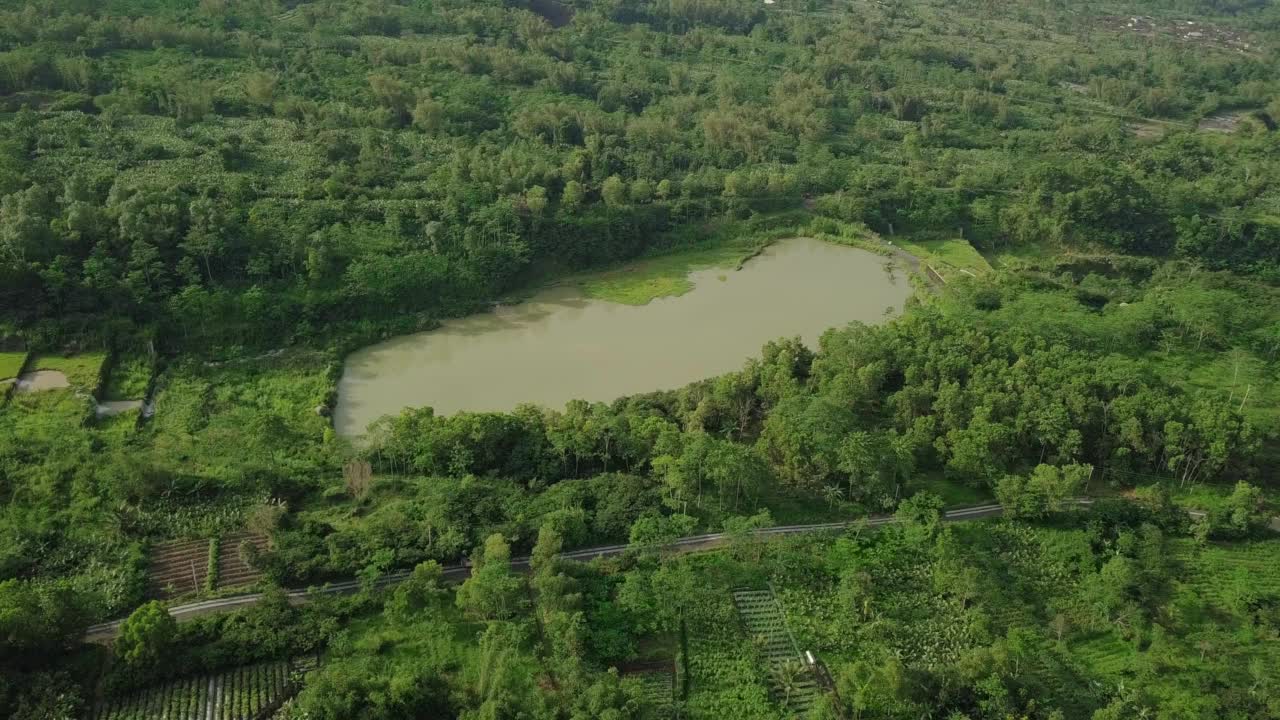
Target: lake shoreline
(562,343)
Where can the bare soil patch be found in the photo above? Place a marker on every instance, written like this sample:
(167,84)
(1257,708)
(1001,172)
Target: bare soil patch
(181,567)
(232,569)
(42,380)
(1223,122)
(178,568)
(1190,32)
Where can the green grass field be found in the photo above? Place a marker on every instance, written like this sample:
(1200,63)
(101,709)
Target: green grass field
(643,281)
(950,257)
(82,370)
(11,364)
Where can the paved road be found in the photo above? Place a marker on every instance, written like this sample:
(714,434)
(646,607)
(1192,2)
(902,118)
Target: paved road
(708,541)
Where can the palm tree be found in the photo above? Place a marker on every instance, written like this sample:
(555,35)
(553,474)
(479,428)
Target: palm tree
(787,677)
(832,495)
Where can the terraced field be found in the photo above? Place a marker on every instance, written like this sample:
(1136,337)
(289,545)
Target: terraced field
(83,371)
(1231,576)
(244,693)
(1105,653)
(724,670)
(1220,573)
(791,682)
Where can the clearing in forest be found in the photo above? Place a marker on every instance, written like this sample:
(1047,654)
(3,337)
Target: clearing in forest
(178,568)
(655,682)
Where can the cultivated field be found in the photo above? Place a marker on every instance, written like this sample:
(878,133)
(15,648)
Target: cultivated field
(178,568)
(83,371)
(791,682)
(232,570)
(181,567)
(244,693)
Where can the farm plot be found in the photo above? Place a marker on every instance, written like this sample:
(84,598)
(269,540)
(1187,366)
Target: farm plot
(655,686)
(1222,574)
(178,568)
(725,676)
(791,682)
(232,569)
(181,567)
(243,693)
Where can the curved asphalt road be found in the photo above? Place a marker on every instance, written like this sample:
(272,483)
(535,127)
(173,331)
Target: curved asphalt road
(106,631)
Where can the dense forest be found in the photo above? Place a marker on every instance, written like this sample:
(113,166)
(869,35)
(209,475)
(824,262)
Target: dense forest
(204,206)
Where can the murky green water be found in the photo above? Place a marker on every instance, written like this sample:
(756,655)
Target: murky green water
(559,346)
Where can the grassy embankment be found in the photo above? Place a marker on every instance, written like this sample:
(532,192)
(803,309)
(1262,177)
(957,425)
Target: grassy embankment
(728,244)
(665,271)
(950,257)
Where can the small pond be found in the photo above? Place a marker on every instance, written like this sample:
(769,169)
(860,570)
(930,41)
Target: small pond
(560,345)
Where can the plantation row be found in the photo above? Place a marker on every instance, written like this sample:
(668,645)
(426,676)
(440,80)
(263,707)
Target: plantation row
(243,693)
(178,568)
(657,687)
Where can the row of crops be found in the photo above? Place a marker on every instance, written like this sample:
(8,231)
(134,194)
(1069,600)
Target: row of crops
(1235,577)
(244,693)
(183,567)
(791,682)
(178,568)
(1224,575)
(725,678)
(656,687)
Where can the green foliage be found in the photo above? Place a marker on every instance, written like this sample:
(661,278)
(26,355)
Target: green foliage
(227,177)
(36,622)
(492,592)
(1244,513)
(129,378)
(146,636)
(1043,491)
(369,688)
(418,592)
